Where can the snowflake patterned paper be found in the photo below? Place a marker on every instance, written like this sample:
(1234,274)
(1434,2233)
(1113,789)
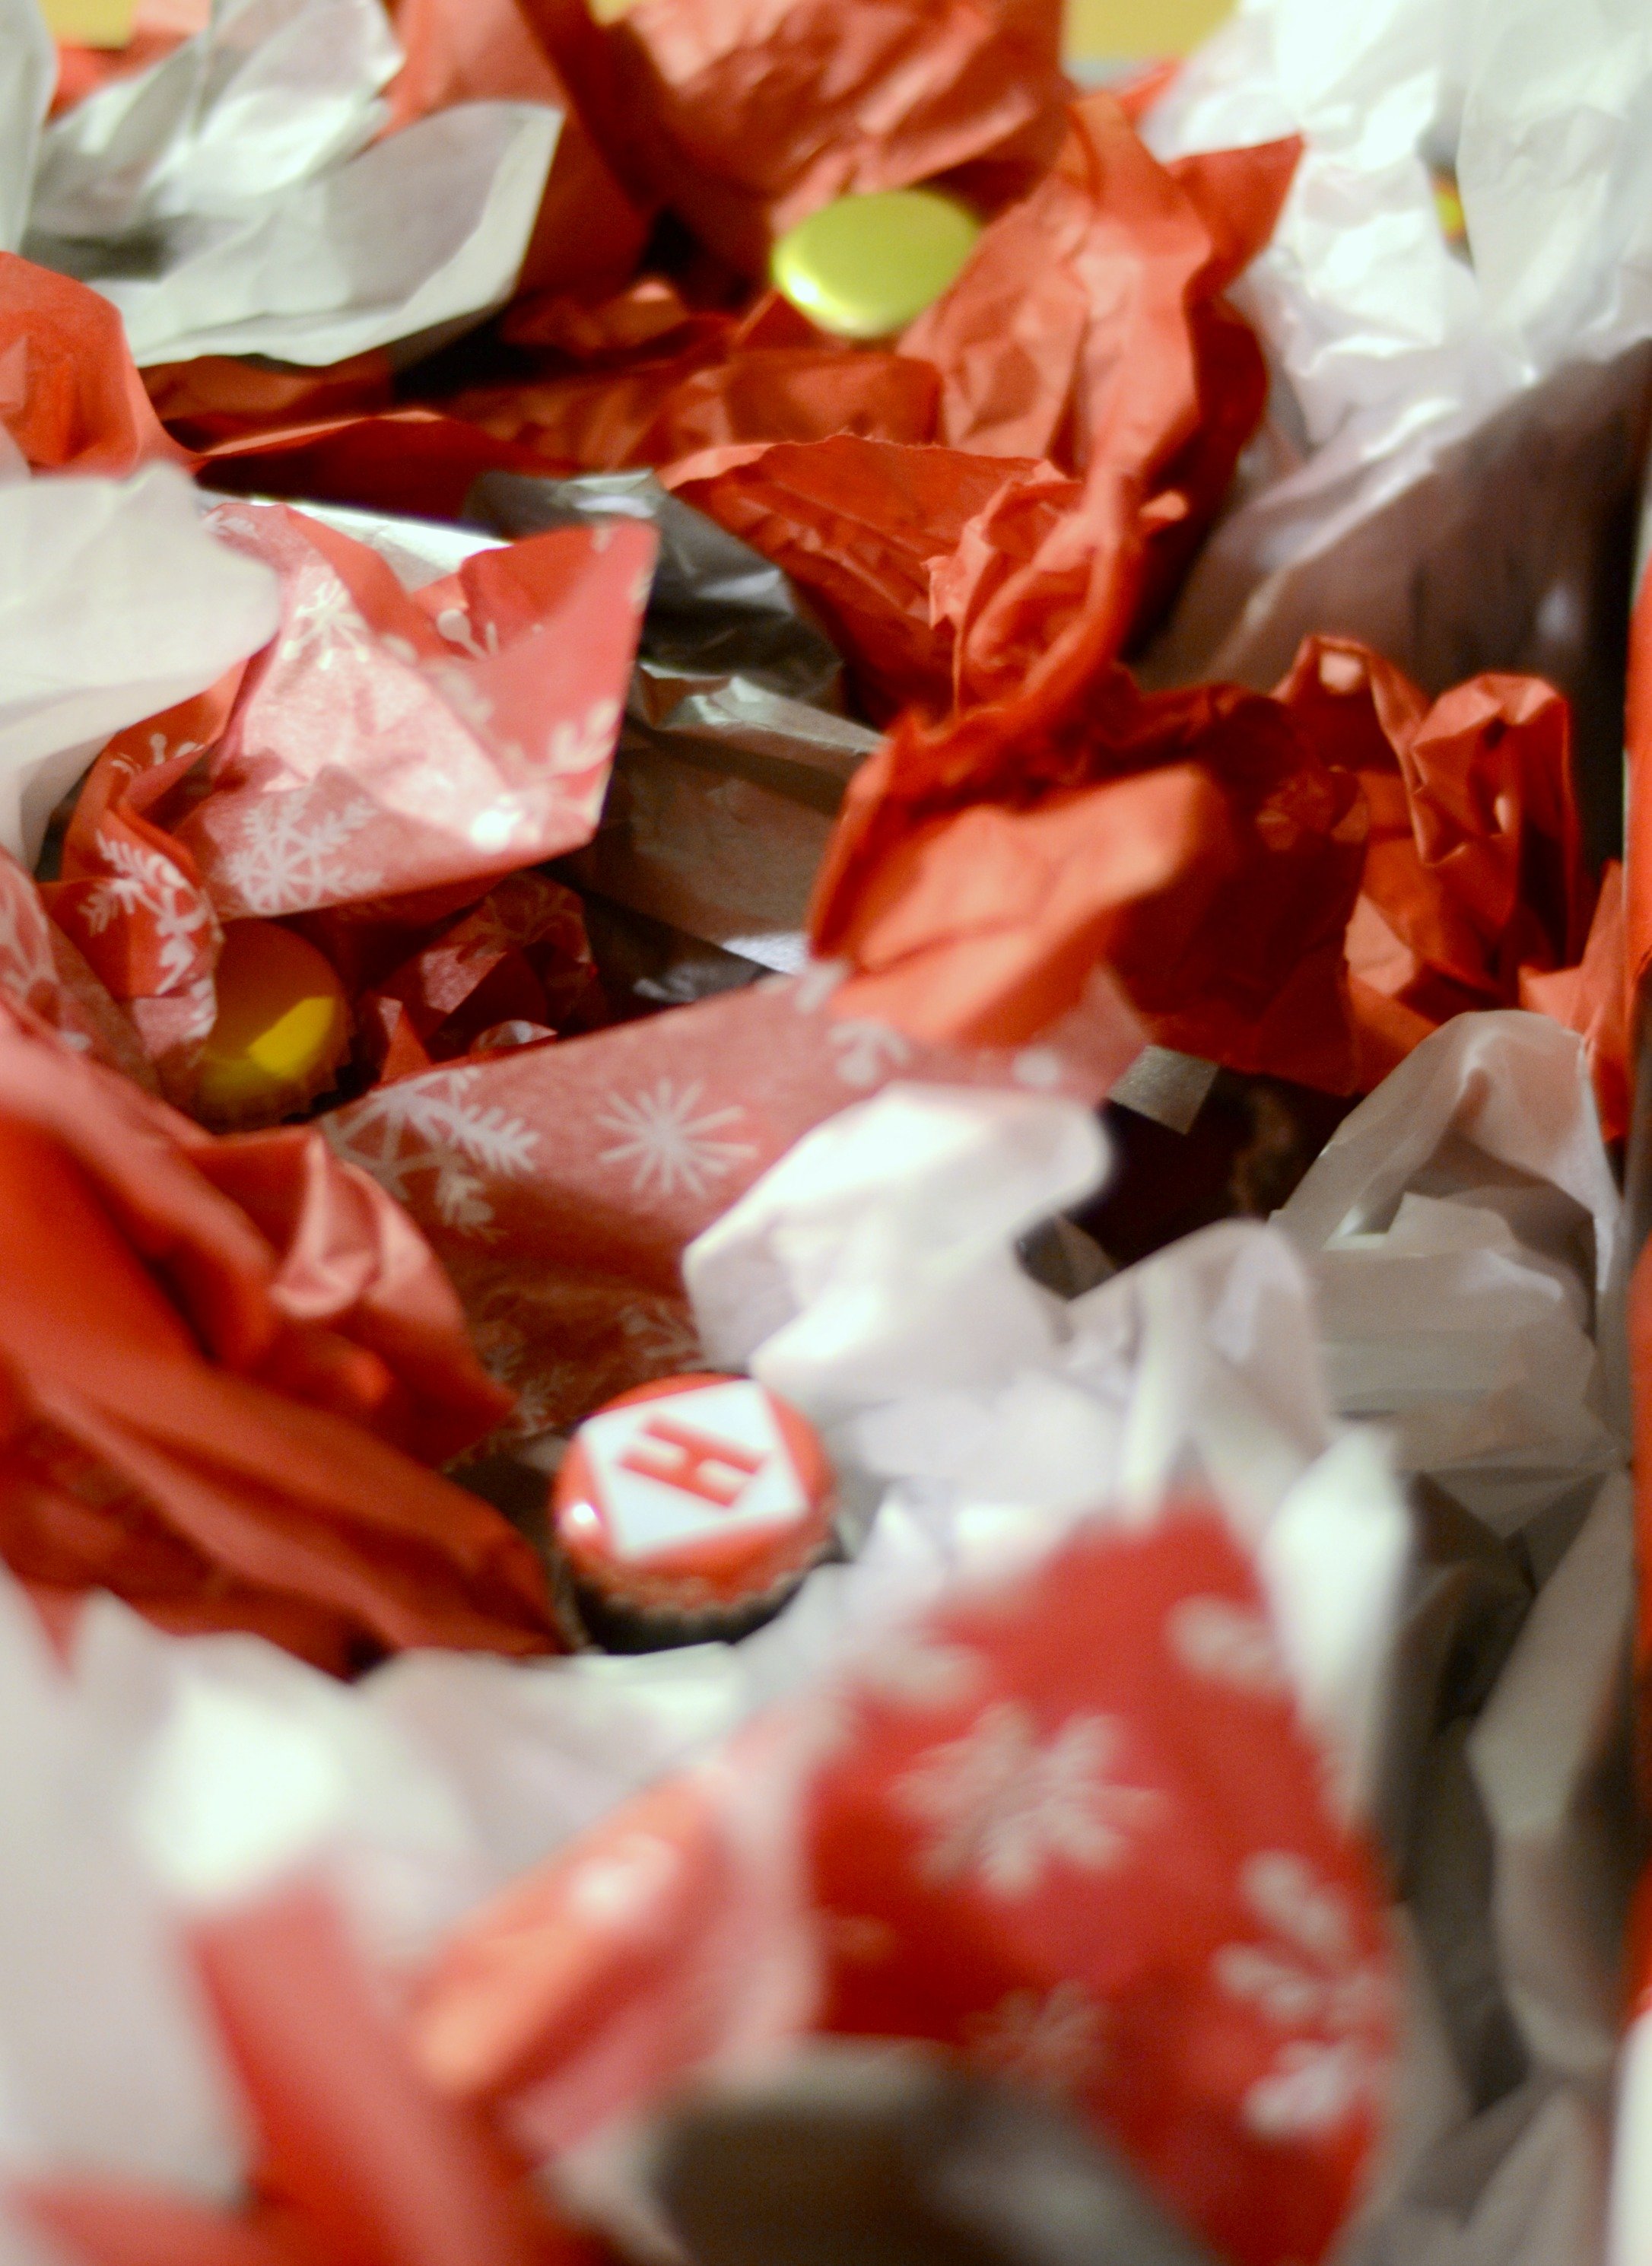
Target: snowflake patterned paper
(1107,1864)
(560,1184)
(382,746)
(131,897)
(386,743)
(42,974)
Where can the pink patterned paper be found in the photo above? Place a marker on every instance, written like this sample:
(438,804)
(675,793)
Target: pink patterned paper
(1078,1833)
(382,746)
(42,972)
(560,1183)
(384,743)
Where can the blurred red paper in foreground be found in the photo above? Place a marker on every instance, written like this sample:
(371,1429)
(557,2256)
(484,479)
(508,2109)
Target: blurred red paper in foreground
(1075,1832)
(217,1362)
(1081,1836)
(356,2157)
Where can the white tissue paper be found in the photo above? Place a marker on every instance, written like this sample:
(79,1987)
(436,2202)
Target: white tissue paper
(871,1279)
(878,1257)
(28,72)
(105,2065)
(233,199)
(1524,2182)
(1466,1241)
(1467,1247)
(1430,413)
(115,603)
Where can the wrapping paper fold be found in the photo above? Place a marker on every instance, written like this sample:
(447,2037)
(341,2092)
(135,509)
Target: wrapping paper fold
(589,234)
(1476,1171)
(746,115)
(214,1355)
(227,200)
(1303,885)
(42,973)
(72,401)
(1086,337)
(114,601)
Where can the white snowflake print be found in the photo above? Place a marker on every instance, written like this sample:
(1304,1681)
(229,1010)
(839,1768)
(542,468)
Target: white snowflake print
(1053,2040)
(1226,1643)
(1038,1067)
(669,1143)
(663,1337)
(863,1051)
(618,1887)
(454,624)
(859,1941)
(642,589)
(290,858)
(580,746)
(25,947)
(914,1669)
(498,824)
(428,1129)
(143,881)
(1005,1808)
(512,1342)
(325,626)
(160,752)
(1310,1976)
(816,985)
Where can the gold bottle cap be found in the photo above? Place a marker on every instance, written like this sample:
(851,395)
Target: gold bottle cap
(282,1031)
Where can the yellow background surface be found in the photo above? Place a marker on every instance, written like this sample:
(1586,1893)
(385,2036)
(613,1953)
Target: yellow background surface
(1095,28)
(1140,27)
(93,23)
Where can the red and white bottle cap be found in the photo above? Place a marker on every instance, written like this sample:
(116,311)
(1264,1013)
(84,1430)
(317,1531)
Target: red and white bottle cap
(696,1495)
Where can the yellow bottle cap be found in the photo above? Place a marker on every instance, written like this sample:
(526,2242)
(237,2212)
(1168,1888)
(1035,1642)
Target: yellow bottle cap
(866,266)
(281,1029)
